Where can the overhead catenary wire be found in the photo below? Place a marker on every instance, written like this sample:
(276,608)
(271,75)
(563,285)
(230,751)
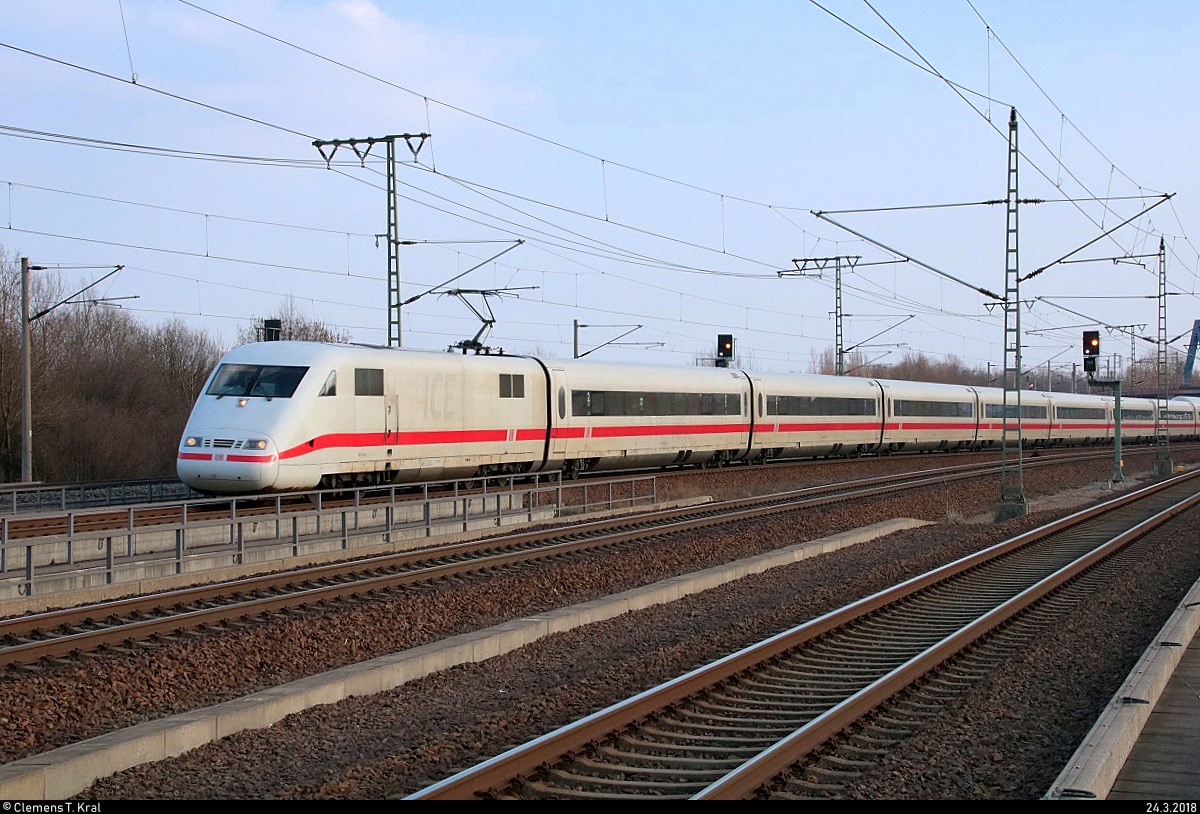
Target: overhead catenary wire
(614,163)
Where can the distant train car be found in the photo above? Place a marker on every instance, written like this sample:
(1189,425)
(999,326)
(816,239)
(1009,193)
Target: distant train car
(1035,425)
(1179,421)
(804,416)
(610,416)
(1137,420)
(1079,419)
(919,416)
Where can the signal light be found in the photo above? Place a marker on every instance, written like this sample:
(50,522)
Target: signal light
(724,346)
(1091,343)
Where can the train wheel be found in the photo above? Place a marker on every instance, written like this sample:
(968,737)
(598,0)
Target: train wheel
(334,487)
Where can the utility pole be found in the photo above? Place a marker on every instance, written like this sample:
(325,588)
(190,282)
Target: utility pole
(1012,487)
(362,148)
(1091,355)
(1115,384)
(26,365)
(1163,465)
(26,377)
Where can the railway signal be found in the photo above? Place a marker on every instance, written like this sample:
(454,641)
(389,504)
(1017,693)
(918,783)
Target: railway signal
(724,346)
(1091,349)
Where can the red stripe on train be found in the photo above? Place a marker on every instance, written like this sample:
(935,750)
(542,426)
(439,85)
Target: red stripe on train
(836,426)
(383,439)
(674,429)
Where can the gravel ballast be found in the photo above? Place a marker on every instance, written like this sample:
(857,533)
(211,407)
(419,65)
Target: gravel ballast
(1008,740)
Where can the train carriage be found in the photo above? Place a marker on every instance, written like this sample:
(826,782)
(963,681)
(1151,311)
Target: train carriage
(610,416)
(1033,408)
(1080,419)
(1137,420)
(1178,421)
(1187,427)
(460,416)
(811,415)
(919,416)
(360,415)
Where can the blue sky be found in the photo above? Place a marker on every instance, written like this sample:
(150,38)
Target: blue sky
(660,162)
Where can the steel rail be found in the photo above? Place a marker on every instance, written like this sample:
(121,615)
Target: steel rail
(56,634)
(519,765)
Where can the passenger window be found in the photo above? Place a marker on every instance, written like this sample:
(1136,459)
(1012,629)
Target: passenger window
(330,386)
(512,386)
(368,381)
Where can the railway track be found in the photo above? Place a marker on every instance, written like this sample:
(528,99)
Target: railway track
(794,716)
(62,633)
(86,520)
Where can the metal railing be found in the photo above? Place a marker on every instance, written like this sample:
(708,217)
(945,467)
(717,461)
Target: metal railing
(16,498)
(212,533)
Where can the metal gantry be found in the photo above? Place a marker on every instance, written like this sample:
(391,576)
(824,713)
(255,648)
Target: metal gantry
(362,148)
(803,269)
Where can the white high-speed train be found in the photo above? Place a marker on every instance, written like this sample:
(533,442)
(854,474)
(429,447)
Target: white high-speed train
(277,416)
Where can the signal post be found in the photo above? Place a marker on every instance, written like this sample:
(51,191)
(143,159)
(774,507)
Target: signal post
(1091,352)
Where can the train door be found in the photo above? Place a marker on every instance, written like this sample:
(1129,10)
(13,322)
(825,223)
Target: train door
(885,413)
(979,419)
(370,403)
(391,398)
(560,413)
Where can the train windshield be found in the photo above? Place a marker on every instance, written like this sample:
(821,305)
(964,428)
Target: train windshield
(263,381)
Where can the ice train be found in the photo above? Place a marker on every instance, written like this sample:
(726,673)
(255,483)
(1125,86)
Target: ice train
(281,416)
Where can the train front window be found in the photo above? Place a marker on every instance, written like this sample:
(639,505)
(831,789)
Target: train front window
(262,381)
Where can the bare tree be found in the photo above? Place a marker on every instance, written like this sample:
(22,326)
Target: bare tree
(184,358)
(110,396)
(43,290)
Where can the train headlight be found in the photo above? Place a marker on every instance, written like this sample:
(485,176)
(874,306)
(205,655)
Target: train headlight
(255,443)
(242,402)
(191,441)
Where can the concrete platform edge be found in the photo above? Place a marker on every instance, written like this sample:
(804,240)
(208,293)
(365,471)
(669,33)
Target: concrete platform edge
(1093,769)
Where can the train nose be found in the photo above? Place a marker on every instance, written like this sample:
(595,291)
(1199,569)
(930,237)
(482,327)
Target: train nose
(227,462)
